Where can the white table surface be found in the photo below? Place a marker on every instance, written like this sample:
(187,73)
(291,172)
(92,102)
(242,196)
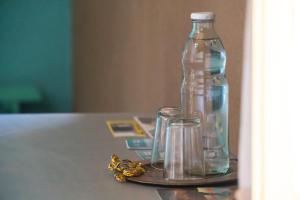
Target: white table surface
(62,157)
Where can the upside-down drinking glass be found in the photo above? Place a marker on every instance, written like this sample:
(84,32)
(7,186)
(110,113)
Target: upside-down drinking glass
(184,156)
(164,114)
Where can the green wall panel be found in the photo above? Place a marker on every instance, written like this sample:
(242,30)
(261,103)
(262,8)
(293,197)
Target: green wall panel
(35,48)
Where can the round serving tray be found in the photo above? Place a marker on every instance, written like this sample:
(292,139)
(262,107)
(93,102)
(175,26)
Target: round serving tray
(154,176)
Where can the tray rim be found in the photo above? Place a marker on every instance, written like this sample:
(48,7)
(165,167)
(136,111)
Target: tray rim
(229,178)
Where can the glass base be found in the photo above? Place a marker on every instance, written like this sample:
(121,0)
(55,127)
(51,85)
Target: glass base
(158,165)
(214,168)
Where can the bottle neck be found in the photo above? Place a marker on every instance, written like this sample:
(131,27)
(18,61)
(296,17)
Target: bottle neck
(203,30)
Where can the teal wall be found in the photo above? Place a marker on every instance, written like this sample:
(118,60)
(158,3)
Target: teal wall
(35,48)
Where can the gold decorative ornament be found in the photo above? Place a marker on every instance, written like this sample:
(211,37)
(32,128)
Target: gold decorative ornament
(124,168)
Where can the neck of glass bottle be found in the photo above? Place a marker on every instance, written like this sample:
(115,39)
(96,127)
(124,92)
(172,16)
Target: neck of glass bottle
(203,29)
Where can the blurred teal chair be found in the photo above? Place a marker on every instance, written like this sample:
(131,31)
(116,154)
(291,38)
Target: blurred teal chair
(12,96)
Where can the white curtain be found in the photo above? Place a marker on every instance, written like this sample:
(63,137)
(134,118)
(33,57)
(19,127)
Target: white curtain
(270,137)
(245,128)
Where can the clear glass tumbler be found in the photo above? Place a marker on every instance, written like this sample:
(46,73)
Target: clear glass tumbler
(184,156)
(164,114)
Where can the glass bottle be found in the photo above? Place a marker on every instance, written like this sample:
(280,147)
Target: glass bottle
(204,89)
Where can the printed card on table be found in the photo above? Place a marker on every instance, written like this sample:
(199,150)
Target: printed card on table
(144,155)
(213,190)
(134,143)
(147,124)
(201,193)
(125,128)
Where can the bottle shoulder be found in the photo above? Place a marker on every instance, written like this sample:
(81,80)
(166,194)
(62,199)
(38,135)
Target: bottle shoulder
(213,44)
(206,55)
(203,31)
